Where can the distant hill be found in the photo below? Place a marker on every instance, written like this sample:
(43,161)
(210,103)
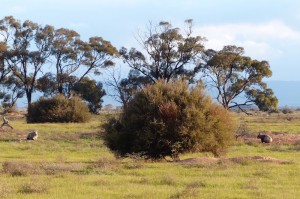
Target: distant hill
(287,92)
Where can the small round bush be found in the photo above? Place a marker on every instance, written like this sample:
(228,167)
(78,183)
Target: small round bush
(168,119)
(287,110)
(58,109)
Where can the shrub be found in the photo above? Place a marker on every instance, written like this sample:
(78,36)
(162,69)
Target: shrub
(167,119)
(58,109)
(286,110)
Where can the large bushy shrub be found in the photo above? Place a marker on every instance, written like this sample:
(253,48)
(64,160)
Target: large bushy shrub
(167,119)
(58,109)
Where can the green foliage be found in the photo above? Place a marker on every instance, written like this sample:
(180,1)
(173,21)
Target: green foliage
(264,99)
(12,91)
(168,119)
(30,43)
(287,110)
(47,84)
(27,46)
(233,75)
(71,54)
(167,52)
(92,92)
(58,109)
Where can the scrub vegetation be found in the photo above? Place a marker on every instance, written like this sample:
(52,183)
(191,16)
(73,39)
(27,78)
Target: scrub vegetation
(70,160)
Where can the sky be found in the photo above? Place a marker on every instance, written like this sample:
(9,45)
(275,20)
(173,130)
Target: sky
(267,29)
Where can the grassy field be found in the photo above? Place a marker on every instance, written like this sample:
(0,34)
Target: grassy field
(70,161)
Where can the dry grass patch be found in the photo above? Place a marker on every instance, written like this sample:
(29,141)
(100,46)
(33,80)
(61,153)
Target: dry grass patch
(59,168)
(167,180)
(134,163)
(105,164)
(16,168)
(279,138)
(5,189)
(296,146)
(190,191)
(35,185)
(252,184)
(89,135)
(246,160)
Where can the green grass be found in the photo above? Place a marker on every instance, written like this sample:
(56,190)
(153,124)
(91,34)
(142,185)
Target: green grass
(70,161)
(277,122)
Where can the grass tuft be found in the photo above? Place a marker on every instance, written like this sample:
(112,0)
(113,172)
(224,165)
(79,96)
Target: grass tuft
(190,191)
(35,185)
(105,164)
(19,168)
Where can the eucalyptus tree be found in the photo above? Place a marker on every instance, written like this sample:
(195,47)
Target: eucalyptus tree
(65,58)
(123,89)
(4,70)
(27,50)
(97,53)
(12,91)
(238,79)
(166,52)
(74,59)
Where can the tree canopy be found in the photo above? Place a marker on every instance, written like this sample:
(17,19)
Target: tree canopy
(92,92)
(27,50)
(167,53)
(234,75)
(27,47)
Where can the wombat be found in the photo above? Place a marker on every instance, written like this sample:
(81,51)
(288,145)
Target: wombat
(264,138)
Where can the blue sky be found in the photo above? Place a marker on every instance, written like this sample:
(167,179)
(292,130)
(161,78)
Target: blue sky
(267,29)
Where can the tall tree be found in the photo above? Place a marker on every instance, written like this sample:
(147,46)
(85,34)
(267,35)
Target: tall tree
(66,57)
(233,75)
(28,49)
(4,73)
(167,53)
(74,57)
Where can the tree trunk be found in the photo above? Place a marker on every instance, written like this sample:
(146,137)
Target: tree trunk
(29,96)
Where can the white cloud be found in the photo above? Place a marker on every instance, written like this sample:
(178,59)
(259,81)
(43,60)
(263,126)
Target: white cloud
(259,40)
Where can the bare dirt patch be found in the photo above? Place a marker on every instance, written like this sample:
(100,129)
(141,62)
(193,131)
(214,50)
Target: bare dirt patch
(207,160)
(259,159)
(278,138)
(212,160)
